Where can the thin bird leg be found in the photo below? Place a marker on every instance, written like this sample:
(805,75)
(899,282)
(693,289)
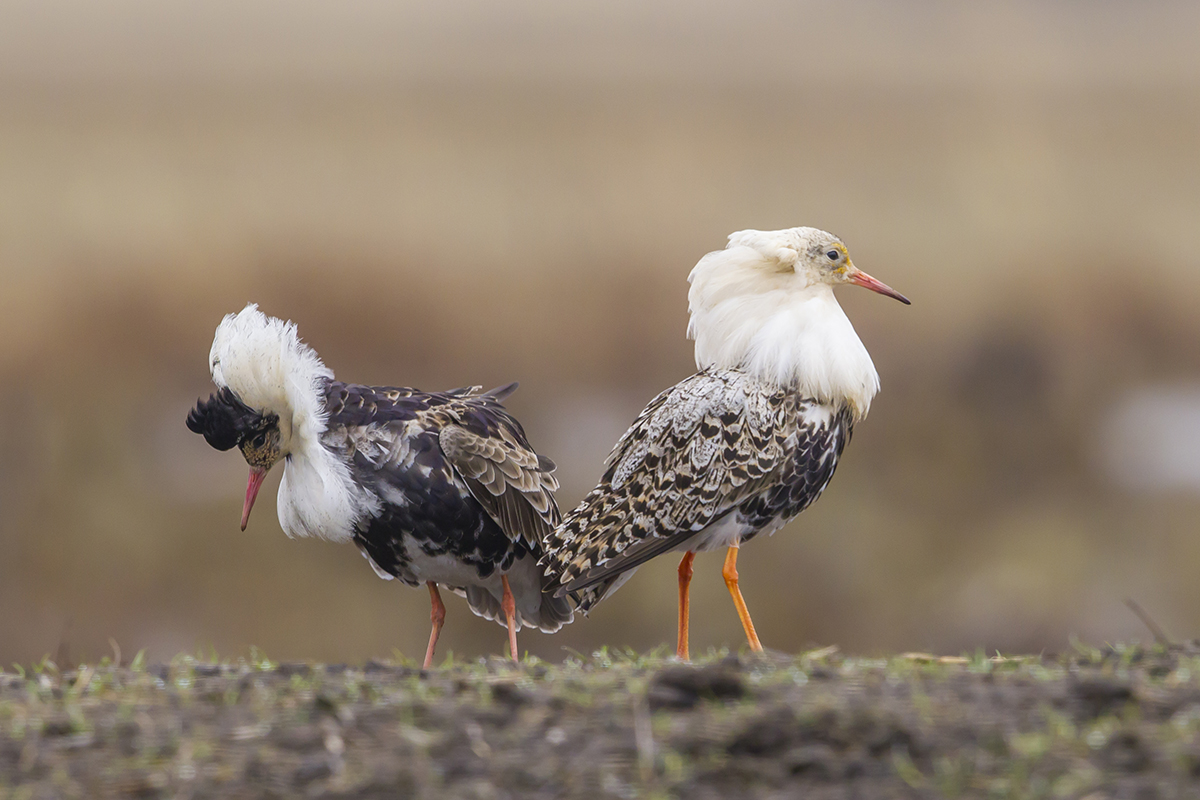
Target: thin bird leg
(731,582)
(510,615)
(437,616)
(685,578)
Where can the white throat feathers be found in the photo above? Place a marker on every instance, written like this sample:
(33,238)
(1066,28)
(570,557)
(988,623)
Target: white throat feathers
(765,305)
(262,360)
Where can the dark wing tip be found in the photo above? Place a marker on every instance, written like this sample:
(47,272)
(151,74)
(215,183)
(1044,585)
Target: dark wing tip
(464,391)
(501,392)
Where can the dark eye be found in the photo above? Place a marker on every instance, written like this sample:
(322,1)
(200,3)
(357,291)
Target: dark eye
(833,255)
(260,440)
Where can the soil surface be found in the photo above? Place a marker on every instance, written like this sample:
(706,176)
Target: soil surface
(1114,722)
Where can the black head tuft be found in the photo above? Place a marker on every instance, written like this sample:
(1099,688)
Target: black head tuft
(223,419)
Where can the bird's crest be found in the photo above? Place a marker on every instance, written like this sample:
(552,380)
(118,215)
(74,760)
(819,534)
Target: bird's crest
(223,419)
(263,362)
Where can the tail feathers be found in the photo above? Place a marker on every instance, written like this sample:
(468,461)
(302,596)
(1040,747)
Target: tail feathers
(552,614)
(588,598)
(484,604)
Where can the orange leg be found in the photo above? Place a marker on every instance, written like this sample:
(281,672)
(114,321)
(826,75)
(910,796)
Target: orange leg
(731,582)
(437,616)
(510,616)
(685,579)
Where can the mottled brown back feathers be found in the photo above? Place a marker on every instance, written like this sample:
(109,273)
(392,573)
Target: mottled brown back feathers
(716,444)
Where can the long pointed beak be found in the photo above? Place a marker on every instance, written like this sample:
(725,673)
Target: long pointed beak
(252,486)
(860,278)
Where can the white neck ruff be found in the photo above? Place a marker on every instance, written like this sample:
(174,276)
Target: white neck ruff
(752,315)
(318,497)
(266,365)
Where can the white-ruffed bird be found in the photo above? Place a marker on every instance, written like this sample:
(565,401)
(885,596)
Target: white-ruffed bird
(746,443)
(433,487)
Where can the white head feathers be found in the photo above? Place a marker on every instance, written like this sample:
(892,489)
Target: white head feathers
(262,360)
(765,305)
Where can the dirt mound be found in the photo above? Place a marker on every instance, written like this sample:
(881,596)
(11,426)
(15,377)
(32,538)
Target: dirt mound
(1117,722)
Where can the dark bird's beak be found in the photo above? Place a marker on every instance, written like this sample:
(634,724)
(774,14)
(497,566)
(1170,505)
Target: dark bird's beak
(860,278)
(252,486)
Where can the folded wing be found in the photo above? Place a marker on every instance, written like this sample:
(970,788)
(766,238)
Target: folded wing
(696,453)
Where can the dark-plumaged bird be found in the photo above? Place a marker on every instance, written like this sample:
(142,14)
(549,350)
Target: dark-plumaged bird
(745,444)
(433,487)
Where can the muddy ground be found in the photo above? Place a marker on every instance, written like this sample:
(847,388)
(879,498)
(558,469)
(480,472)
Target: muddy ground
(1112,722)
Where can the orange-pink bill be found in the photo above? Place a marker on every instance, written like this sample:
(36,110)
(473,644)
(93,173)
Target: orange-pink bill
(252,486)
(860,278)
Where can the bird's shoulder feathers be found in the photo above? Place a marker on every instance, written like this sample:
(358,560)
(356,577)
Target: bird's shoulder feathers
(464,435)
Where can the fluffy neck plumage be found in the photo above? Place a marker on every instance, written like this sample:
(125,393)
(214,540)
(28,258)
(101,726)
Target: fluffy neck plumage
(264,362)
(752,315)
(318,497)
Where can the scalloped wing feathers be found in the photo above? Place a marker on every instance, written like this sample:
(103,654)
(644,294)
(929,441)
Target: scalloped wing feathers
(484,445)
(450,444)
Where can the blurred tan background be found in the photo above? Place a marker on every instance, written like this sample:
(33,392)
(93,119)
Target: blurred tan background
(467,192)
